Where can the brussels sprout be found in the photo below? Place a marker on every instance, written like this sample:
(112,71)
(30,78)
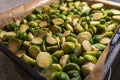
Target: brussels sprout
(90,58)
(55,60)
(101,29)
(116,17)
(27,44)
(97,5)
(49,71)
(20,53)
(64,60)
(83,36)
(30,36)
(71,39)
(86,45)
(87,68)
(23,35)
(78,49)
(31,17)
(111,27)
(71,66)
(12,26)
(14,45)
(66,33)
(56,29)
(74,75)
(84,25)
(114,11)
(37,41)
(95,23)
(69,27)
(2,34)
(58,54)
(78,28)
(73,58)
(97,38)
(52,48)
(43,24)
(34,51)
(51,41)
(9,35)
(105,40)
(60,76)
(99,46)
(97,16)
(44,59)
(108,34)
(68,47)
(45,17)
(62,41)
(37,11)
(33,24)
(58,21)
(28,60)
(23,28)
(81,60)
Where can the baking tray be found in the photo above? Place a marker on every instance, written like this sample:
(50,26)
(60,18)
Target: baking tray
(21,11)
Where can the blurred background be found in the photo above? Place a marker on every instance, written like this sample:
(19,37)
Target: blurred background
(7,71)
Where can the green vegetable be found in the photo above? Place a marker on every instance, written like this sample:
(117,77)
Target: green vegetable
(20,53)
(52,48)
(74,75)
(86,45)
(58,21)
(64,60)
(51,41)
(69,27)
(34,51)
(84,36)
(37,41)
(90,58)
(68,47)
(93,53)
(97,5)
(44,59)
(78,49)
(99,46)
(87,68)
(105,40)
(28,60)
(60,76)
(58,54)
(71,66)
(49,71)
(14,45)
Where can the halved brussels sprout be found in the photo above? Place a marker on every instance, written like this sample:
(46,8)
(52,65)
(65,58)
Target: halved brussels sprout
(68,47)
(34,51)
(97,5)
(60,76)
(14,45)
(84,36)
(64,60)
(87,68)
(28,60)
(44,60)
(71,66)
(86,45)
(90,58)
(58,21)
(58,54)
(37,41)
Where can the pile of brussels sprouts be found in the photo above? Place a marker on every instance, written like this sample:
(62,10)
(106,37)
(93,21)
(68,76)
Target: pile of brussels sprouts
(62,41)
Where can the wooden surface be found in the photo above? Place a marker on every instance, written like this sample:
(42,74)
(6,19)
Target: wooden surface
(7,71)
